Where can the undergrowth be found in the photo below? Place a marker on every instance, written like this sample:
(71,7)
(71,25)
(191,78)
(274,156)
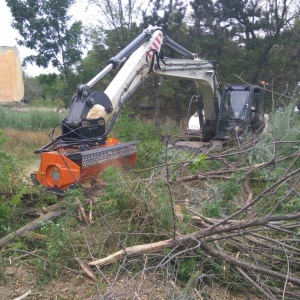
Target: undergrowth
(151,203)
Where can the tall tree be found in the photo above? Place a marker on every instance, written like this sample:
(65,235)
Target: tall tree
(255,26)
(45,26)
(119,17)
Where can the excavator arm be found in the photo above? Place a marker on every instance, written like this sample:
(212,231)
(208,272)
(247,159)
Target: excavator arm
(83,149)
(146,61)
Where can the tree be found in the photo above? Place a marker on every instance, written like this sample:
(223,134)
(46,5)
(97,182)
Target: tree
(169,15)
(33,89)
(256,27)
(284,61)
(119,17)
(45,27)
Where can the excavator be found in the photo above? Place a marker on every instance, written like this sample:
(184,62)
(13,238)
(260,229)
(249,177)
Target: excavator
(84,149)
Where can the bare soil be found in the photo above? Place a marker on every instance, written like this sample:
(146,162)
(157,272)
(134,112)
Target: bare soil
(18,280)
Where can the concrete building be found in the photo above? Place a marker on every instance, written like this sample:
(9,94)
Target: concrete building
(11,75)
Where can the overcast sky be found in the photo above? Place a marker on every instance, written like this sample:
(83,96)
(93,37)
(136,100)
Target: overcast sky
(8,35)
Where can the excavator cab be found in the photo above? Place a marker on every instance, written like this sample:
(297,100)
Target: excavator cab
(240,110)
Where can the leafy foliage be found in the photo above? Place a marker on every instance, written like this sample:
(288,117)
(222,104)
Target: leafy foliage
(243,31)
(55,247)
(43,27)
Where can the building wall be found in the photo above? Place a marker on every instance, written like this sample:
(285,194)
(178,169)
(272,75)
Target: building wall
(11,75)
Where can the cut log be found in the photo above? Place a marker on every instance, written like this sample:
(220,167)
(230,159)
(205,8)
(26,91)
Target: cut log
(87,269)
(135,250)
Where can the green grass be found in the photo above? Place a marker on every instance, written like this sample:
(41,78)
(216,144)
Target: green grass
(32,119)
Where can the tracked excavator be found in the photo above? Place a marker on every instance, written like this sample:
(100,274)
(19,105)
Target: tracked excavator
(84,149)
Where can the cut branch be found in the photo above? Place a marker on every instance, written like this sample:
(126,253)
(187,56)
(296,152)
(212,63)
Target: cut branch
(186,239)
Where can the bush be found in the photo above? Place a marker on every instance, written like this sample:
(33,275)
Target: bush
(284,126)
(48,102)
(10,171)
(129,127)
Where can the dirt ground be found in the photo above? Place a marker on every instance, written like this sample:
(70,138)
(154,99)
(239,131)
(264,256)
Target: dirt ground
(17,281)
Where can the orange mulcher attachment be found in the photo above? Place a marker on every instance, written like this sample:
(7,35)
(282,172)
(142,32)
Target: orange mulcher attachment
(68,167)
(83,150)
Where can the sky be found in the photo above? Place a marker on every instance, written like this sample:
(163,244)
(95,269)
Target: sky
(8,35)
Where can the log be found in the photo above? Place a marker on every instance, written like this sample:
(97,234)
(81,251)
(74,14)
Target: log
(30,226)
(134,250)
(86,268)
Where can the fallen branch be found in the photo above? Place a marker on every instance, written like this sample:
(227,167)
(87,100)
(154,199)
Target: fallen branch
(135,250)
(186,239)
(86,268)
(218,173)
(30,226)
(249,266)
(229,170)
(23,296)
(255,284)
(201,177)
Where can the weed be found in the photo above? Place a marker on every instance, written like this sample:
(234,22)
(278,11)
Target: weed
(5,213)
(187,268)
(118,193)
(55,250)
(71,196)
(163,213)
(48,102)
(197,163)
(224,204)
(212,209)
(230,189)
(11,187)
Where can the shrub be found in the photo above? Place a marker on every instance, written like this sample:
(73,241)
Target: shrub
(224,204)
(129,127)
(284,126)
(55,249)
